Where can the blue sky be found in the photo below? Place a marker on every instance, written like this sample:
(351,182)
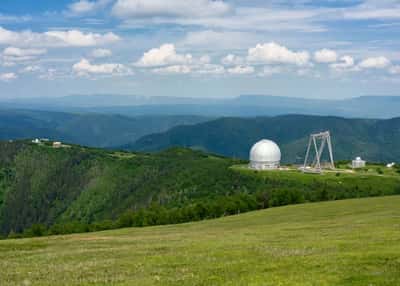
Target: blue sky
(199,48)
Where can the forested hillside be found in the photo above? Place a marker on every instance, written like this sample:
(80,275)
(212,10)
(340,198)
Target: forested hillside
(40,184)
(77,189)
(90,129)
(375,140)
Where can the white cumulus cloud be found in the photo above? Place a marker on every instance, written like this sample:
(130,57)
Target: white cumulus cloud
(162,56)
(170,8)
(8,76)
(166,60)
(78,38)
(275,53)
(13,54)
(374,63)
(84,67)
(70,38)
(205,59)
(346,62)
(17,52)
(232,59)
(325,56)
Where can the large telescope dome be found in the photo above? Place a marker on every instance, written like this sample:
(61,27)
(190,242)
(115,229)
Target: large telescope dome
(265,154)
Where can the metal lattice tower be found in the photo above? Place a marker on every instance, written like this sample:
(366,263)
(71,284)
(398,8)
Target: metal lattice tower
(318,142)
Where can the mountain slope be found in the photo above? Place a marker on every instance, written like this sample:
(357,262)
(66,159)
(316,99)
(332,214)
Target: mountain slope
(375,140)
(39,184)
(78,189)
(351,242)
(90,129)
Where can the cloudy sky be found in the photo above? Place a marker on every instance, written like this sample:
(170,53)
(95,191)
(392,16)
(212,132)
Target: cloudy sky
(200,48)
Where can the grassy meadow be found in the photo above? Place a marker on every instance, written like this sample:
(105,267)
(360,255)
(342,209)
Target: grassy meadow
(349,242)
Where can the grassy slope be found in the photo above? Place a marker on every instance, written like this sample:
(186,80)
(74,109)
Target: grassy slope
(352,242)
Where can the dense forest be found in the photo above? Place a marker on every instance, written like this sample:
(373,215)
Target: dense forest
(374,140)
(44,190)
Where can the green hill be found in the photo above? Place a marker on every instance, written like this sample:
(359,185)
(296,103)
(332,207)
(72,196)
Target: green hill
(351,242)
(374,140)
(44,190)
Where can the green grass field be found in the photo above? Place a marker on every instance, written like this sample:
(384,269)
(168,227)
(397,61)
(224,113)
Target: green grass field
(350,242)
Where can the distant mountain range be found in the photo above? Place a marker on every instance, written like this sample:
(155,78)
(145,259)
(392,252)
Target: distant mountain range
(90,129)
(243,106)
(375,140)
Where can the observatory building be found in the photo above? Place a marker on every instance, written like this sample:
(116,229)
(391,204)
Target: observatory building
(391,165)
(265,155)
(358,163)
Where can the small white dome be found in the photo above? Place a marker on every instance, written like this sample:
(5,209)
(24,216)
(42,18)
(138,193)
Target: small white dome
(265,154)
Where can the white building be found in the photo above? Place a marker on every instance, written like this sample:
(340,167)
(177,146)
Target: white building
(265,155)
(57,145)
(358,163)
(391,165)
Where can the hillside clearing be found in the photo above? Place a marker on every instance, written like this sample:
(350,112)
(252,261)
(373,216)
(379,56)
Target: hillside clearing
(351,242)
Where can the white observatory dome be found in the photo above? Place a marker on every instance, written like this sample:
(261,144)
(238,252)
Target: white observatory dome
(265,154)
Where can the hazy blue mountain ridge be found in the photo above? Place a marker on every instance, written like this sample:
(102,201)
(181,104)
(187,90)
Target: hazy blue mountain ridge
(243,106)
